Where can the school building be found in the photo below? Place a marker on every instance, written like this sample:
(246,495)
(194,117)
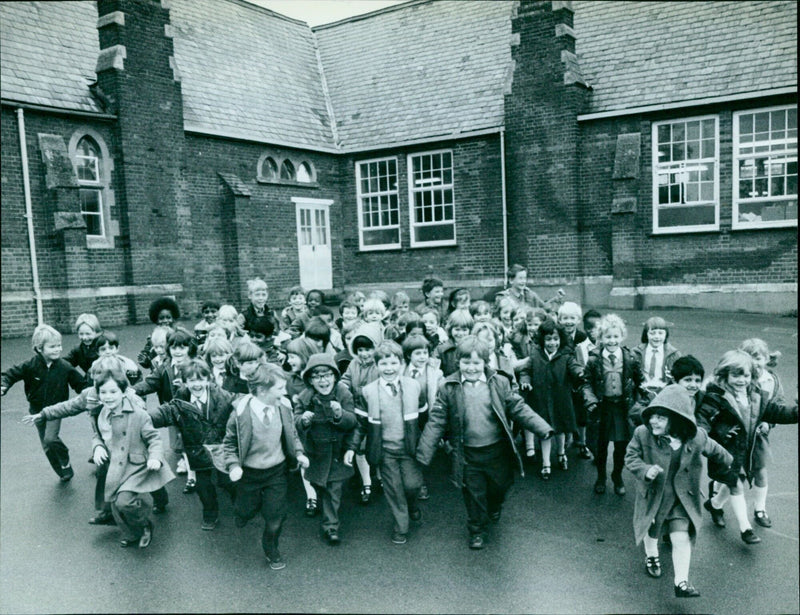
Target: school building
(637,154)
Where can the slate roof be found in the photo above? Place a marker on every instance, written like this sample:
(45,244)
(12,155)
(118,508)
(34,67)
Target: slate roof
(417,71)
(407,73)
(249,72)
(643,53)
(48,53)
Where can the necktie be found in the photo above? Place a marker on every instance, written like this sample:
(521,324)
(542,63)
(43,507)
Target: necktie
(414,372)
(612,358)
(651,374)
(392,388)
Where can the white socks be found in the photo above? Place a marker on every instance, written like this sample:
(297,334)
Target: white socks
(311,493)
(546,446)
(681,555)
(740,510)
(760,498)
(363,469)
(650,546)
(723,493)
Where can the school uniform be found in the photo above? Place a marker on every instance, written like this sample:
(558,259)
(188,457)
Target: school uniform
(388,420)
(553,379)
(479,418)
(83,355)
(201,421)
(263,442)
(324,440)
(130,439)
(46,385)
(265,320)
(611,388)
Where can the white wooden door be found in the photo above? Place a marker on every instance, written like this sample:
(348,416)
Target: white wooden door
(314,242)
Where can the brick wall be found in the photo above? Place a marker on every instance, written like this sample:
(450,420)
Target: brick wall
(478,254)
(720,257)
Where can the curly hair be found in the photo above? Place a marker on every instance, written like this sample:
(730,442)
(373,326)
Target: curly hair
(161,304)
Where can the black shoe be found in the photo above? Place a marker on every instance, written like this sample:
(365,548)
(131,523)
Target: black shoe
(147,536)
(67,473)
(311,507)
(717,514)
(476,542)
(653,567)
(190,486)
(423,493)
(103,518)
(584,452)
(398,538)
(684,590)
(332,537)
(749,536)
(209,526)
(545,473)
(494,516)
(762,518)
(366,493)
(276,562)
(619,488)
(600,485)
(415,515)
(128,542)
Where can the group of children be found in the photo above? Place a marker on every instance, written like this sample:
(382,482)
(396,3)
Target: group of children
(248,397)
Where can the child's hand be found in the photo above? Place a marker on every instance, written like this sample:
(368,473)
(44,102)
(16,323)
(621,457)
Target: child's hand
(235,474)
(30,419)
(303,461)
(653,471)
(153,464)
(348,458)
(100,456)
(762,429)
(336,407)
(306,417)
(525,386)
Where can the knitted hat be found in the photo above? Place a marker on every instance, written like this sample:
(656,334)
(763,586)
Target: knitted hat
(321,359)
(678,401)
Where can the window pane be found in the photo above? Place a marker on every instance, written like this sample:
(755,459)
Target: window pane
(700,215)
(381,237)
(287,170)
(304,174)
(91,207)
(445,232)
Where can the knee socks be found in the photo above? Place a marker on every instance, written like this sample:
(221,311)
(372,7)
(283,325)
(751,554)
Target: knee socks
(740,510)
(722,495)
(363,470)
(311,493)
(681,555)
(650,546)
(760,499)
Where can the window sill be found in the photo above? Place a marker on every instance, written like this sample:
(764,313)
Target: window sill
(284,182)
(99,243)
(684,231)
(760,226)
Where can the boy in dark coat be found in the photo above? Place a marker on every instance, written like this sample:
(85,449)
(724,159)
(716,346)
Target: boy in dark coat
(47,380)
(478,407)
(324,418)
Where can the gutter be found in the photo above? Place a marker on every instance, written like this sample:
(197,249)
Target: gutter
(26,184)
(504,204)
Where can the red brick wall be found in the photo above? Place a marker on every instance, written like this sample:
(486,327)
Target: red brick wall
(719,257)
(478,212)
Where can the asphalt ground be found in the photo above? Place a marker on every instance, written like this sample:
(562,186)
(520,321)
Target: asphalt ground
(558,548)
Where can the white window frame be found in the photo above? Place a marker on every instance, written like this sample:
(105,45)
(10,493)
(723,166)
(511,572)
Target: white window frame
(361,195)
(696,228)
(105,168)
(787,156)
(95,185)
(413,189)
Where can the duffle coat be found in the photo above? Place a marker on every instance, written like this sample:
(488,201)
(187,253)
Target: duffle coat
(325,437)
(717,413)
(447,415)
(134,441)
(553,381)
(644,451)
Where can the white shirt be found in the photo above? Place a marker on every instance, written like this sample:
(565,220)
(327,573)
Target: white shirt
(617,355)
(202,400)
(261,410)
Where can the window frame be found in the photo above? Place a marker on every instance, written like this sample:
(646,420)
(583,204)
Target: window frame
(360,207)
(95,186)
(411,201)
(693,228)
(104,167)
(736,156)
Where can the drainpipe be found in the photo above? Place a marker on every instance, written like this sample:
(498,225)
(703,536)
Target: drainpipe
(505,211)
(26,183)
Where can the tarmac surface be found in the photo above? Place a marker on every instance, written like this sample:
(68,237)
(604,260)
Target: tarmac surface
(558,548)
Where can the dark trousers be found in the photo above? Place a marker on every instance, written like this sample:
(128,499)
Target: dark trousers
(207,492)
(55,450)
(160,496)
(488,475)
(601,457)
(132,513)
(331,497)
(263,491)
(402,479)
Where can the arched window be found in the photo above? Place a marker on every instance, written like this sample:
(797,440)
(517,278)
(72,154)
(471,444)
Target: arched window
(287,170)
(269,169)
(89,166)
(305,173)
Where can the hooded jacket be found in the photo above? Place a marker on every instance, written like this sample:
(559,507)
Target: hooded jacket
(646,450)
(359,374)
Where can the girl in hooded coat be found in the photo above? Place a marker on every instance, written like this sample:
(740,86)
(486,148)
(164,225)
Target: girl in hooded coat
(664,455)
(324,417)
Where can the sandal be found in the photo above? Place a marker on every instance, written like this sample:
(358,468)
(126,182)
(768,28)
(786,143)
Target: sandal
(366,492)
(311,507)
(545,473)
(562,461)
